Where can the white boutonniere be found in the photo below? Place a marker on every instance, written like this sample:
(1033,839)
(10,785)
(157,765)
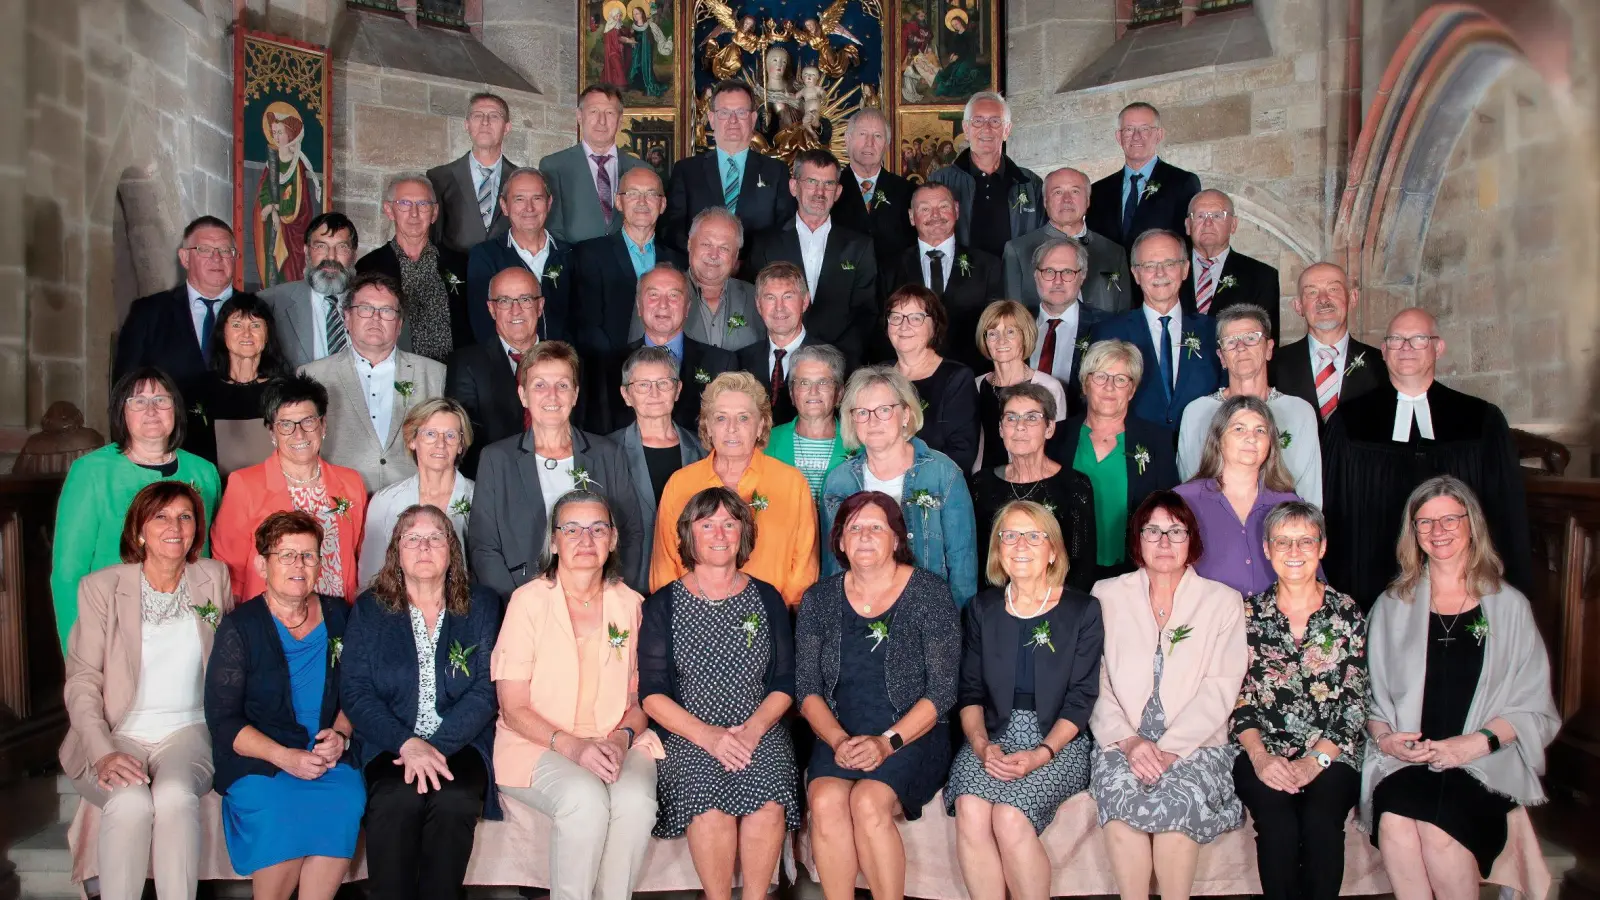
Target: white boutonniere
(749,626)
(877,632)
(581,479)
(1149,190)
(963,266)
(1479,628)
(616,638)
(1176,636)
(338,649)
(701,376)
(1360,362)
(405,388)
(1049,507)
(736,321)
(1141,455)
(452,283)
(879,198)
(1041,637)
(759,502)
(209,614)
(1114,279)
(847,266)
(925,499)
(759,182)
(1227,281)
(1022,201)
(1083,345)
(1284,440)
(554,274)
(459,656)
(341,505)
(461,507)
(1191,345)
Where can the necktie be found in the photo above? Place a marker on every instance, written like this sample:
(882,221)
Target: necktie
(208,325)
(730,186)
(1130,205)
(777,370)
(1167,369)
(1327,382)
(1207,285)
(333,324)
(516,363)
(1047,353)
(936,272)
(866,193)
(602,184)
(485,194)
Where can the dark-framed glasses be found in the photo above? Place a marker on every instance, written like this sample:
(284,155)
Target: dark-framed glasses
(1448,523)
(214,252)
(1153,534)
(525,301)
(1034,538)
(287,427)
(1115,379)
(1414,341)
(1057,274)
(915,319)
(367,311)
(881,413)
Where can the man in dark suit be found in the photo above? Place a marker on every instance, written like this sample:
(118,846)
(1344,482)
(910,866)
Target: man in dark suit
(751,186)
(468,187)
(1179,348)
(1063,320)
(525,200)
(838,266)
(965,279)
(1147,192)
(435,299)
(1327,366)
(1107,284)
(872,199)
(663,308)
(1220,276)
(586,177)
(606,269)
(483,377)
(783,301)
(171,330)
(999,200)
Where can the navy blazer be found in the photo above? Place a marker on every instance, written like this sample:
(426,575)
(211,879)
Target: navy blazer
(607,291)
(658,670)
(247,684)
(1167,207)
(490,257)
(696,184)
(1066,674)
(1199,370)
(159,331)
(379,684)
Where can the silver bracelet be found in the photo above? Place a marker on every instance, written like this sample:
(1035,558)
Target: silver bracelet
(553,735)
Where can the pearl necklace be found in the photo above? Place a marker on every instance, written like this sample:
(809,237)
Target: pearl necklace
(1012,608)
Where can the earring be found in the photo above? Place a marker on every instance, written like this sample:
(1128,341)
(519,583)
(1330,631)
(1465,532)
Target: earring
(141,540)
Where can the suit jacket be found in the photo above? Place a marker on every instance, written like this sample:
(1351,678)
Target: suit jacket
(1024,196)
(603,276)
(382,459)
(967,290)
(844,302)
(1106,282)
(1071,384)
(1166,208)
(480,377)
(452,265)
(297,326)
(889,220)
(507,528)
(1159,474)
(1199,372)
(1253,282)
(259,491)
(753,359)
(159,331)
(103,653)
(1290,371)
(1066,681)
(575,213)
(632,445)
(700,364)
(487,260)
(739,298)
(764,198)
(459,226)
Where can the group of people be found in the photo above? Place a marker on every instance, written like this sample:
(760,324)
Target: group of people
(1006,534)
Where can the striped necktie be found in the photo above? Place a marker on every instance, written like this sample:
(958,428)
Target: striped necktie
(333,323)
(866,193)
(1328,381)
(1208,285)
(730,186)
(485,194)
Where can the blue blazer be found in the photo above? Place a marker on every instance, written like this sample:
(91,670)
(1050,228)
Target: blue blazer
(1199,371)
(379,686)
(247,683)
(490,257)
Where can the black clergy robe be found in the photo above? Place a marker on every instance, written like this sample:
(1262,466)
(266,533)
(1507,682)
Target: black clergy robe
(1367,476)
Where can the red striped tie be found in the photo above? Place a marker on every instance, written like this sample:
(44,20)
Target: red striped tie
(1208,286)
(1327,391)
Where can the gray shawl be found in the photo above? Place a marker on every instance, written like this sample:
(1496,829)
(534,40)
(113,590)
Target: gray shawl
(1514,685)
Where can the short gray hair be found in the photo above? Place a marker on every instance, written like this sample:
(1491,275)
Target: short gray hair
(505,183)
(866,114)
(717,212)
(1294,511)
(638,287)
(643,355)
(1240,312)
(1050,245)
(1028,390)
(996,96)
(394,182)
(1101,354)
(1151,234)
(826,354)
(1225,198)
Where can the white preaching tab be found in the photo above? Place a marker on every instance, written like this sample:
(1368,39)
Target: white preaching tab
(1412,408)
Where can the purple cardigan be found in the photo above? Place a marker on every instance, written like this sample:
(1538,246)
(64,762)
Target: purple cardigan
(1233,551)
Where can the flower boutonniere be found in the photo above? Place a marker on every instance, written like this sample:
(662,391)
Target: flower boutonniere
(924,498)
(1049,507)
(879,198)
(963,266)
(847,266)
(1285,439)
(1022,201)
(736,321)
(337,647)
(554,274)
(1360,362)
(1479,629)
(1141,455)
(1176,636)
(452,283)
(924,405)
(759,182)
(459,656)
(749,626)
(759,502)
(341,505)
(877,632)
(1191,345)
(1226,282)
(581,479)
(209,614)
(701,376)
(1114,279)
(1041,637)
(198,411)
(461,507)
(1149,190)
(1083,345)
(405,389)
(616,638)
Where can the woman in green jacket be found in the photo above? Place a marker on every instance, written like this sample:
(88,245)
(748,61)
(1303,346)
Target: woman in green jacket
(147,426)
(811,442)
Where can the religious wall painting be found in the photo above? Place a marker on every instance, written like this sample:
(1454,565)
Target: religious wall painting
(631,44)
(283,155)
(926,140)
(652,136)
(946,50)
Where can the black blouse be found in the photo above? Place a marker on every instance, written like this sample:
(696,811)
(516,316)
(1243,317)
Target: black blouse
(950,413)
(212,398)
(659,675)
(1066,645)
(1067,493)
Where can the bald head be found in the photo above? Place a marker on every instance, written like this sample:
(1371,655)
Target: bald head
(1323,296)
(1412,348)
(642,200)
(1066,199)
(515,304)
(1211,223)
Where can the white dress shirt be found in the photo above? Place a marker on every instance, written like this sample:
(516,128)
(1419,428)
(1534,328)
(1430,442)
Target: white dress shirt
(594,170)
(197,309)
(1340,350)
(377,388)
(1066,337)
(948,263)
(788,354)
(1412,408)
(1216,270)
(1175,333)
(812,246)
(534,261)
(510,350)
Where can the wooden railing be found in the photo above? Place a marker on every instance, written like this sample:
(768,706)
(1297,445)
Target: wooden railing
(32,720)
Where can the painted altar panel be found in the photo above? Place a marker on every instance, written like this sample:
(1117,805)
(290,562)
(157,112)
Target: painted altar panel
(632,45)
(946,50)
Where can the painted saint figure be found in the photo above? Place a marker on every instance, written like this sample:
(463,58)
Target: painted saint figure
(647,40)
(290,196)
(612,39)
(961,74)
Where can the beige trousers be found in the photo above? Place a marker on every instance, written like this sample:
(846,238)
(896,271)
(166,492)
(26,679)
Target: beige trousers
(599,831)
(156,826)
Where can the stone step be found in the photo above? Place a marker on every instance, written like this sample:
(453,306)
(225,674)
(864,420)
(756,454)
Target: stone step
(68,799)
(44,864)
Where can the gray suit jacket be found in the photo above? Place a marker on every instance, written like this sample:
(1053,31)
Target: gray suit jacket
(459,226)
(738,299)
(298,327)
(1108,285)
(575,207)
(350,439)
(632,446)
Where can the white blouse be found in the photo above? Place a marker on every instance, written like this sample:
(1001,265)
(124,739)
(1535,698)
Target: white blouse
(384,510)
(170,695)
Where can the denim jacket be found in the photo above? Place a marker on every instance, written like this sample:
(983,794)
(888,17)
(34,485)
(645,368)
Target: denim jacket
(938,511)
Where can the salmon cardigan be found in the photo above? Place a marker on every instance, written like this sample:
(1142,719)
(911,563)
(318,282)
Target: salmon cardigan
(1201,674)
(259,491)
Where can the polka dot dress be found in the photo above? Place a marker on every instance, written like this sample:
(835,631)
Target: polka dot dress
(720,654)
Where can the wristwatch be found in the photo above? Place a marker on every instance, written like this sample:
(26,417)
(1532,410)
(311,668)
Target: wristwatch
(1494,739)
(631,735)
(1323,759)
(895,741)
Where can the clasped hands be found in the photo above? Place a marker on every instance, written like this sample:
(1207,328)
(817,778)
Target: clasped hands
(309,765)
(602,756)
(863,752)
(1010,766)
(733,746)
(1147,761)
(1450,753)
(1282,774)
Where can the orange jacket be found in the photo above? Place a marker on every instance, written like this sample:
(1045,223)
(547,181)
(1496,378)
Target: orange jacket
(259,491)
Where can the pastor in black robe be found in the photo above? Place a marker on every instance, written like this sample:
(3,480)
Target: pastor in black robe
(1367,476)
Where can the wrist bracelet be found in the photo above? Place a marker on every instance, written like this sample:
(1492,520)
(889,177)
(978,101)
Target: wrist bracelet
(553,735)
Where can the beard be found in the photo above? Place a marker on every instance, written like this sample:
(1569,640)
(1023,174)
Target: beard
(329,278)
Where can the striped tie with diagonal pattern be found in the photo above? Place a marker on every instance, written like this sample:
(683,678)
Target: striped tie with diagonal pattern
(1327,382)
(485,194)
(730,186)
(1208,285)
(333,322)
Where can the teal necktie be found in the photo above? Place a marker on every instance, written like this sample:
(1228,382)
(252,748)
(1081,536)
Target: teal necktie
(730,186)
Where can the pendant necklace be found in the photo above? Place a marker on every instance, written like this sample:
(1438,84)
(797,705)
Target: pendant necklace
(302,621)
(551,463)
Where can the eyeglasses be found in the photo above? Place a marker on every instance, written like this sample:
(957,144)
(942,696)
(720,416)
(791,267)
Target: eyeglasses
(1306,545)
(1034,538)
(986,123)
(658,385)
(421,206)
(725,116)
(1415,341)
(296,557)
(1234,341)
(434,435)
(639,195)
(599,531)
(1448,523)
(437,540)
(1217,216)
(1056,274)
(1177,534)
(367,311)
(1024,420)
(915,319)
(1140,131)
(881,413)
(1116,379)
(816,183)
(490,118)
(214,252)
(526,301)
(287,427)
(815,384)
(162,402)
(996,334)
(1158,265)
(327,249)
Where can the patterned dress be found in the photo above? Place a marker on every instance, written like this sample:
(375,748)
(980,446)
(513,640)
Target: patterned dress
(720,652)
(1194,796)
(314,499)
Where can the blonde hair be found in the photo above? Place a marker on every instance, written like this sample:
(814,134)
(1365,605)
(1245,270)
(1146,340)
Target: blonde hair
(1485,571)
(1100,356)
(1055,575)
(1273,473)
(867,376)
(426,410)
(743,383)
(1016,314)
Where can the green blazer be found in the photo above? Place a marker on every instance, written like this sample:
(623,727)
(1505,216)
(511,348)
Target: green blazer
(95,498)
(780,446)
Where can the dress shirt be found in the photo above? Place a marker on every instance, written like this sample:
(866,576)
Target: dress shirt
(642,257)
(510,350)
(1234,553)
(812,245)
(490,173)
(1340,350)
(788,353)
(594,170)
(1220,260)
(1066,339)
(710,326)
(738,165)
(534,261)
(1144,179)
(1175,329)
(947,263)
(377,388)
(675,345)
(197,309)
(1412,408)
(319,324)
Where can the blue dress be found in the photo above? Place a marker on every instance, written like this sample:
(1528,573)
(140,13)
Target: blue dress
(267,821)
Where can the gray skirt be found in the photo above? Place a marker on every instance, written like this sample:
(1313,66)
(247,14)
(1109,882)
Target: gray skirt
(1039,793)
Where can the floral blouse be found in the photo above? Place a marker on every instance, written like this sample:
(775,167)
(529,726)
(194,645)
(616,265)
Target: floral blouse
(1297,693)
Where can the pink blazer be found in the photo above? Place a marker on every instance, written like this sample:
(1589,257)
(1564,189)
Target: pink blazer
(1201,674)
(103,653)
(259,491)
